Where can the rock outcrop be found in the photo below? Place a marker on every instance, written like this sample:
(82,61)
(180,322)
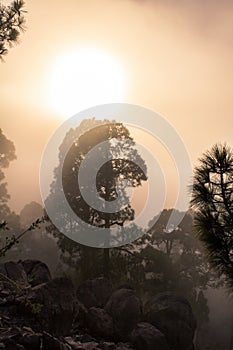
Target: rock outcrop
(52,305)
(125,308)
(41,313)
(95,292)
(37,272)
(100,323)
(147,337)
(173,316)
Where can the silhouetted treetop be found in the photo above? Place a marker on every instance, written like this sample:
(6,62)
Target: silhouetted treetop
(7,151)
(213,204)
(122,165)
(11,24)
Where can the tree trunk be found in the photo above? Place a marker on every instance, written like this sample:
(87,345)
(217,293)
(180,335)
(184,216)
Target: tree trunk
(106,254)
(106,262)
(231,340)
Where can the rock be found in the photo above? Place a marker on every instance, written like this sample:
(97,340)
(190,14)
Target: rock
(90,346)
(80,317)
(29,264)
(107,346)
(3,272)
(16,338)
(191,347)
(3,279)
(52,305)
(94,292)
(125,286)
(100,323)
(16,273)
(37,272)
(123,346)
(147,337)
(12,346)
(30,341)
(85,338)
(72,343)
(125,309)
(173,316)
(9,344)
(51,343)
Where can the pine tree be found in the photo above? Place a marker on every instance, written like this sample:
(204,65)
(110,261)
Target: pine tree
(213,203)
(11,24)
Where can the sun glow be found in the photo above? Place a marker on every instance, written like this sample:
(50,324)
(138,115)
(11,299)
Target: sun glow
(84,78)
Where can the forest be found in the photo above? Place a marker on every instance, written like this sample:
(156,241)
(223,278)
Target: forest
(163,259)
(116,223)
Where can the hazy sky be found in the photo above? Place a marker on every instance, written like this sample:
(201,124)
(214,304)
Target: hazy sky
(175,57)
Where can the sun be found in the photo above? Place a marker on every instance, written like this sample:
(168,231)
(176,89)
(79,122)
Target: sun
(84,78)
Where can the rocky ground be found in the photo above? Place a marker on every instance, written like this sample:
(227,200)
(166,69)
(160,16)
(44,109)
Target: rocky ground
(41,313)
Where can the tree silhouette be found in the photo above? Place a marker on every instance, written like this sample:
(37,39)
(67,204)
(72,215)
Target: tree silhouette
(172,240)
(7,154)
(184,251)
(109,186)
(108,175)
(11,23)
(213,203)
(171,259)
(30,213)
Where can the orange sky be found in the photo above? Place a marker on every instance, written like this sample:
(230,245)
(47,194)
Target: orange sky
(178,60)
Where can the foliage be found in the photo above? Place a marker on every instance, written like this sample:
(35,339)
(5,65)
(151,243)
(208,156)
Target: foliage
(7,154)
(213,204)
(22,287)
(89,134)
(14,239)
(181,245)
(3,225)
(8,219)
(167,260)
(11,24)
(36,246)
(30,212)
(107,177)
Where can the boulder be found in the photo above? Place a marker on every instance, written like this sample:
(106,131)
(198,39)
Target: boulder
(73,344)
(37,272)
(108,346)
(3,272)
(52,305)
(123,346)
(99,323)
(51,343)
(30,341)
(147,337)
(173,316)
(20,338)
(11,345)
(16,273)
(94,292)
(89,346)
(125,308)
(3,276)
(80,317)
